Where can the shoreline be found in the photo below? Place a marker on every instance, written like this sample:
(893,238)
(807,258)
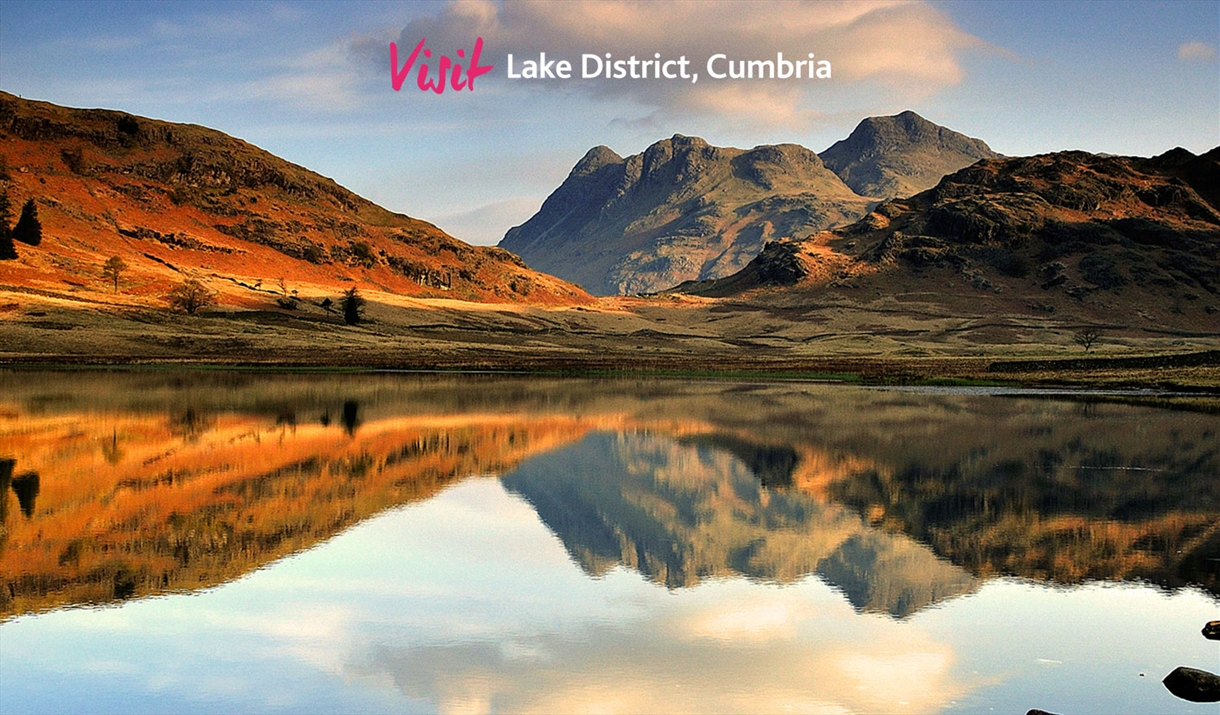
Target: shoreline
(1195,373)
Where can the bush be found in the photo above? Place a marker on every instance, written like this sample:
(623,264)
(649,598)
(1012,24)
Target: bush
(190,296)
(1101,270)
(363,254)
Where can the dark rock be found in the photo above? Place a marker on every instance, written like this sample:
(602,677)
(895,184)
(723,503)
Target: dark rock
(1036,711)
(1197,686)
(1212,630)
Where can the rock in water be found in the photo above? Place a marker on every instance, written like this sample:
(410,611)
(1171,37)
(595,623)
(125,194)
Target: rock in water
(1212,630)
(1197,686)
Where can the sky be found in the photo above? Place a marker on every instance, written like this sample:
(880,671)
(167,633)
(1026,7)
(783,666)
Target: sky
(311,81)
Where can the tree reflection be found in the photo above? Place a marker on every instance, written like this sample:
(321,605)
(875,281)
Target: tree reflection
(190,424)
(6,477)
(351,417)
(26,488)
(111,450)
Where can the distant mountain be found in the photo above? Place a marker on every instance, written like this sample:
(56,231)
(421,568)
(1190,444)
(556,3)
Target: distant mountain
(178,200)
(1113,240)
(898,156)
(681,210)
(685,210)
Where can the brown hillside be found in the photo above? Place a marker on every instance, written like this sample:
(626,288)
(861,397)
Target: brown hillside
(1110,241)
(177,200)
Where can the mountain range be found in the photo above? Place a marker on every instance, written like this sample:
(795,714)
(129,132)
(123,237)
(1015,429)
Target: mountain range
(685,210)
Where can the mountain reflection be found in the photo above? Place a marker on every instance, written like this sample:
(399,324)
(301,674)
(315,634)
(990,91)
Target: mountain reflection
(679,512)
(140,484)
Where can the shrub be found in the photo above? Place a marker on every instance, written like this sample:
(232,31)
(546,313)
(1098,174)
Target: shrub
(363,254)
(191,295)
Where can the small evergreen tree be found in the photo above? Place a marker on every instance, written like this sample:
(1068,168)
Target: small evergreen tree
(7,250)
(352,304)
(28,229)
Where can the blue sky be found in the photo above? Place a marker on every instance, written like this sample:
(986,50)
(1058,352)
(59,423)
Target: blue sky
(310,81)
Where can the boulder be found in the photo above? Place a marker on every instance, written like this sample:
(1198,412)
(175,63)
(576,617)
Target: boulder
(1197,686)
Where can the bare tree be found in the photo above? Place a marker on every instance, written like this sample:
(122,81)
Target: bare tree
(287,301)
(113,269)
(1086,338)
(191,295)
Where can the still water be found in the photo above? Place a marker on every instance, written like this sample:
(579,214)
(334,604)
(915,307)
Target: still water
(226,542)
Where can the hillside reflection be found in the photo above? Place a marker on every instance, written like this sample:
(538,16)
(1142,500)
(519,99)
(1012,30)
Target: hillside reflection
(120,485)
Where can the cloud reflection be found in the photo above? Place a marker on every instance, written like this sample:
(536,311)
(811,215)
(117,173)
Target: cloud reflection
(623,644)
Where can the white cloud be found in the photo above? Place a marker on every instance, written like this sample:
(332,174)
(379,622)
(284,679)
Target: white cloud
(891,44)
(486,225)
(1196,52)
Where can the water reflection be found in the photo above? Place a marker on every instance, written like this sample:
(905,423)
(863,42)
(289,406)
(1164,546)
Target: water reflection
(589,545)
(139,484)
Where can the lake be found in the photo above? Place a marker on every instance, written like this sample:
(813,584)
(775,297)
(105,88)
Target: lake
(219,541)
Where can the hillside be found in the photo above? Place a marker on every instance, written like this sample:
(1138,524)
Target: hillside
(1115,242)
(685,210)
(898,156)
(175,201)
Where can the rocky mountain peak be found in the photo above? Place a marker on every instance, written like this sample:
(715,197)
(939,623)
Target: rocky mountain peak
(901,155)
(594,159)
